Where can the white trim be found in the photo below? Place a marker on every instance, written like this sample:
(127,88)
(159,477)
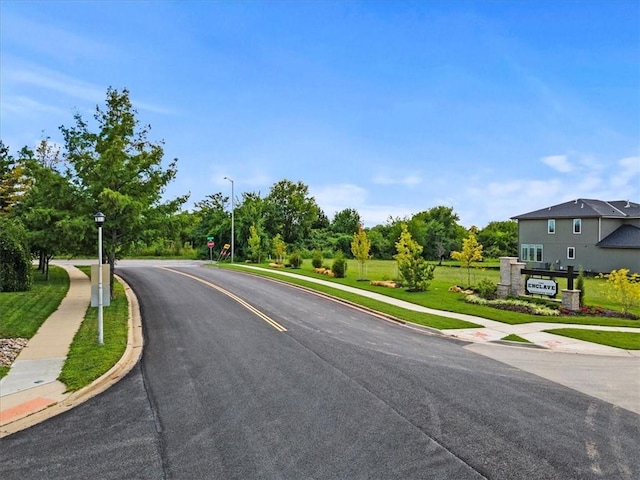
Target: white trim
(573,226)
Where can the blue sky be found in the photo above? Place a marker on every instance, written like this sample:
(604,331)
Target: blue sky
(493,108)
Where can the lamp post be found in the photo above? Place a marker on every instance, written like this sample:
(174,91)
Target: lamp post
(232,219)
(99,219)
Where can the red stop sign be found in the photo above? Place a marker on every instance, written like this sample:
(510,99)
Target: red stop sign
(210,244)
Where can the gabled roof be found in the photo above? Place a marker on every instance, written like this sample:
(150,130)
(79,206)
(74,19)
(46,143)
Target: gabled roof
(586,208)
(625,236)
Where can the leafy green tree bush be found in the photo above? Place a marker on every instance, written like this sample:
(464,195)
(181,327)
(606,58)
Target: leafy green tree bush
(15,262)
(580,286)
(339,267)
(121,173)
(624,288)
(471,252)
(414,270)
(254,244)
(316,259)
(487,289)
(360,248)
(295,259)
(279,248)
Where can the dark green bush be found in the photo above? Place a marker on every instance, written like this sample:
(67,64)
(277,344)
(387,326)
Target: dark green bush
(295,260)
(316,260)
(339,267)
(15,263)
(487,289)
(580,286)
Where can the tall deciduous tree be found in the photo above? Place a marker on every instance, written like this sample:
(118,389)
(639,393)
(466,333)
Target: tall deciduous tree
(499,239)
(346,221)
(49,208)
(120,173)
(439,231)
(248,213)
(212,220)
(290,211)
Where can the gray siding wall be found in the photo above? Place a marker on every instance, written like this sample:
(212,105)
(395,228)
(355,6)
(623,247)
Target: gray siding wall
(587,256)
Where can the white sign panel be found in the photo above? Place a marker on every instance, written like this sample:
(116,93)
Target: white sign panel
(106,285)
(542,286)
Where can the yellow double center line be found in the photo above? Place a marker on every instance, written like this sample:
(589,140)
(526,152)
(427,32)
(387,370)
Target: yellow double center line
(249,307)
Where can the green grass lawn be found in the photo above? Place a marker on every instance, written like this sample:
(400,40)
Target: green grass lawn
(515,338)
(22,313)
(628,341)
(439,297)
(87,360)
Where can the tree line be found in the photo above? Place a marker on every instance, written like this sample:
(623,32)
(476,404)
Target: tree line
(48,197)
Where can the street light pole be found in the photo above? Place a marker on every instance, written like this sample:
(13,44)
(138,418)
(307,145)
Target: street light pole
(99,219)
(232,219)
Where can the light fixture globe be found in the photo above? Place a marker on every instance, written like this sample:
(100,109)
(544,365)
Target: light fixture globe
(99,218)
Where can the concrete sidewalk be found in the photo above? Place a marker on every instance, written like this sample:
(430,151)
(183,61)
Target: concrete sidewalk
(31,391)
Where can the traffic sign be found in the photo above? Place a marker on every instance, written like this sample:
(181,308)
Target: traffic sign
(209,239)
(210,244)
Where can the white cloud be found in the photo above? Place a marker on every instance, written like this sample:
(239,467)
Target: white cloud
(409,180)
(51,40)
(559,163)
(58,82)
(335,198)
(26,106)
(373,215)
(626,174)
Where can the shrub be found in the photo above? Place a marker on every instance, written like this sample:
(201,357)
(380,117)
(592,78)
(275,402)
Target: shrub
(515,305)
(15,263)
(624,288)
(580,286)
(316,259)
(339,267)
(487,289)
(412,268)
(295,259)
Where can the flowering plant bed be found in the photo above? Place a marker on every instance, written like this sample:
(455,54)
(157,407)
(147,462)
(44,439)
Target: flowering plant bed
(598,312)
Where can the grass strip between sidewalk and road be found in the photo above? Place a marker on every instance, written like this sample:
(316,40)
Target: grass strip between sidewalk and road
(515,338)
(624,340)
(87,360)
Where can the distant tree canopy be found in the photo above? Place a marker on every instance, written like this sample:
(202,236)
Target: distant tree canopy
(346,221)
(112,166)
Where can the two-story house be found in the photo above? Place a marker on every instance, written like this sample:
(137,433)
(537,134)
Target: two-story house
(592,235)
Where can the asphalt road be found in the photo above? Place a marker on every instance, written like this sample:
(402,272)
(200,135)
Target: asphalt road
(310,388)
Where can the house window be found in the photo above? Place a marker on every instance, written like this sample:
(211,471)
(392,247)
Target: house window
(577,225)
(531,253)
(571,253)
(551,226)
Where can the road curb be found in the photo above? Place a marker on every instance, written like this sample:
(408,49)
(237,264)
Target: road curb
(130,357)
